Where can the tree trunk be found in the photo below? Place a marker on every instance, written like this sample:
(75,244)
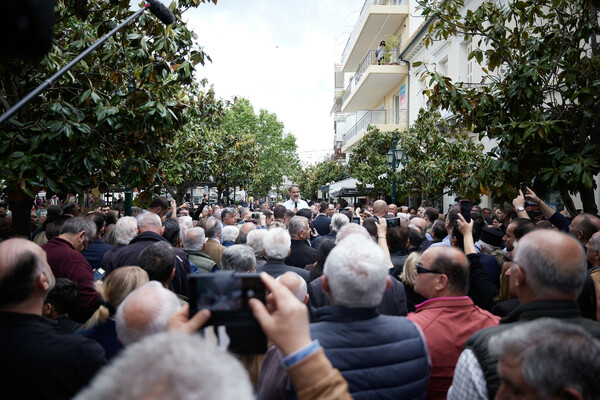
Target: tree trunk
(589,203)
(20,204)
(566,198)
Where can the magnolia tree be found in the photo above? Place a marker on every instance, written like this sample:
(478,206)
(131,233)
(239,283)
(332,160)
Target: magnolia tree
(108,119)
(541,105)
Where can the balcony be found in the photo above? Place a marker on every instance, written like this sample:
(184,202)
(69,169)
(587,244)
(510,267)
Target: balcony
(377,19)
(372,81)
(384,120)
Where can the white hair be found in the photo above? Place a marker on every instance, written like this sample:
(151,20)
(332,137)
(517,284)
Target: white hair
(338,221)
(186,221)
(357,273)
(404,218)
(277,243)
(255,240)
(125,230)
(145,312)
(230,233)
(194,239)
(148,220)
(352,229)
(295,283)
(171,366)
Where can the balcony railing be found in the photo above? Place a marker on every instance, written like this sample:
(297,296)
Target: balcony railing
(361,18)
(376,117)
(390,56)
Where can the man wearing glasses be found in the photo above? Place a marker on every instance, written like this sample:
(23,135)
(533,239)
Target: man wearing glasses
(449,317)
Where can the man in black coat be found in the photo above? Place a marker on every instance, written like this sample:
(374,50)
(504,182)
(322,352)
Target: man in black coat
(276,246)
(301,254)
(41,361)
(151,230)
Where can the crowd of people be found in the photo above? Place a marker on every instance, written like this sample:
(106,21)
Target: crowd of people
(373,302)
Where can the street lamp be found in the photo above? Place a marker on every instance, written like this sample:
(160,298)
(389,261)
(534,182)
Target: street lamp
(394,159)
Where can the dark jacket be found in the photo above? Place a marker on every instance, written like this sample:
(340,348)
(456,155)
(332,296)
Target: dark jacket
(41,361)
(128,255)
(316,242)
(398,259)
(481,289)
(301,254)
(276,268)
(393,301)
(95,252)
(105,333)
(321,224)
(561,309)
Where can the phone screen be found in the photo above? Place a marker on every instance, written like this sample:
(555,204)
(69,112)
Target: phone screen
(465,209)
(392,222)
(524,188)
(356,220)
(226,295)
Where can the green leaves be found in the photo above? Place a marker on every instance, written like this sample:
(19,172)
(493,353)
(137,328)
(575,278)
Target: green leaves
(542,111)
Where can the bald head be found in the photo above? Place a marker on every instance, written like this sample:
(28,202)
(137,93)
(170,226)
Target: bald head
(554,267)
(583,227)
(25,277)
(420,222)
(296,284)
(380,208)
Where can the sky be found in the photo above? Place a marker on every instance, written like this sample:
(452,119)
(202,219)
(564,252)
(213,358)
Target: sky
(279,54)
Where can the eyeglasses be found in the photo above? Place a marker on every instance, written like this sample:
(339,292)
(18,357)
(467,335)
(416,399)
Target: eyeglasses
(422,270)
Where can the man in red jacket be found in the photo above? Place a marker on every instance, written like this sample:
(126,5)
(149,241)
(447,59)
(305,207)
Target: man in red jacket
(448,318)
(66,261)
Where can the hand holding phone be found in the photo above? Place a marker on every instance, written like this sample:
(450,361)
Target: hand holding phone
(287,325)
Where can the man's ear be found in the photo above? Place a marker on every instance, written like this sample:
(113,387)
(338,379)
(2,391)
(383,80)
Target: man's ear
(325,285)
(388,283)
(442,282)
(162,230)
(82,236)
(289,252)
(568,393)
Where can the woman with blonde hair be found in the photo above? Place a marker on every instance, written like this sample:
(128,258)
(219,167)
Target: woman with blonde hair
(101,325)
(408,277)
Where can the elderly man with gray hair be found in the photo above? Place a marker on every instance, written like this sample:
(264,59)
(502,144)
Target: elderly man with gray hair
(547,359)
(238,258)
(145,312)
(151,230)
(213,247)
(547,275)
(255,241)
(276,247)
(378,355)
(338,221)
(65,259)
(301,254)
(193,244)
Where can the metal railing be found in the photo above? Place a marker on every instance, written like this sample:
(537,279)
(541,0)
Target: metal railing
(375,117)
(391,56)
(361,18)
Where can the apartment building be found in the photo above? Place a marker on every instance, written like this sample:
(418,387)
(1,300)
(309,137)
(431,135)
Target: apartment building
(368,90)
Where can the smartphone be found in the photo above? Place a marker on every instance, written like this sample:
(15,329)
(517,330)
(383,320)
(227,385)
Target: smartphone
(465,209)
(524,188)
(356,220)
(256,215)
(226,295)
(392,222)
(99,273)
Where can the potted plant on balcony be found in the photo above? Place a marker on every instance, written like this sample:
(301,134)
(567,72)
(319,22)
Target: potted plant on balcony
(391,50)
